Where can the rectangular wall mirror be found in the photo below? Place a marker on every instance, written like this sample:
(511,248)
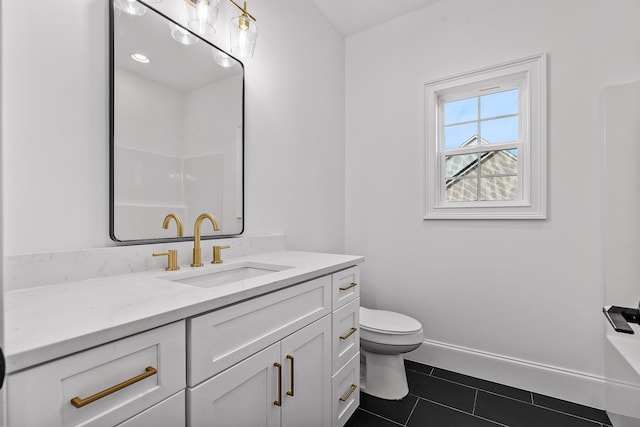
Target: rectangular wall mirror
(177,129)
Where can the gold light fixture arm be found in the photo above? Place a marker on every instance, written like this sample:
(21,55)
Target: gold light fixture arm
(243,9)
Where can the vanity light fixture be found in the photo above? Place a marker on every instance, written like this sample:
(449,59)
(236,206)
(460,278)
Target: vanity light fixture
(243,30)
(132,7)
(138,57)
(181,35)
(243,33)
(203,15)
(223,59)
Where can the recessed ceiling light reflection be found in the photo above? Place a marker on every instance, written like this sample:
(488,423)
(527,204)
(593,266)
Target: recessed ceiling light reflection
(138,57)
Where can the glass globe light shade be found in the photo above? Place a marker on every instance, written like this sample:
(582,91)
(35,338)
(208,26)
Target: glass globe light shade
(243,33)
(223,59)
(203,15)
(132,7)
(181,35)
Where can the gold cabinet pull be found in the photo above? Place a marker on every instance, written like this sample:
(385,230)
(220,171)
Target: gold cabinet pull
(348,334)
(352,285)
(79,403)
(290,392)
(278,402)
(349,393)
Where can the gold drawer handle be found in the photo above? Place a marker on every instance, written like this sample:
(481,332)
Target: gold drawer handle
(351,332)
(290,392)
(352,285)
(349,393)
(278,402)
(79,403)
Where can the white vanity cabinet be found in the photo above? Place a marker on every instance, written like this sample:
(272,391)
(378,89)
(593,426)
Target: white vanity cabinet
(289,358)
(103,386)
(259,353)
(345,378)
(286,384)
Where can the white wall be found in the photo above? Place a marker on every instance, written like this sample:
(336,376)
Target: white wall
(55,125)
(514,301)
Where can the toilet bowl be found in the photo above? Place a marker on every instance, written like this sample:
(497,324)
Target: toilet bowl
(384,337)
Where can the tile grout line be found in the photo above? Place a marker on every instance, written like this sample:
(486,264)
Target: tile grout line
(462,412)
(535,405)
(567,413)
(412,411)
(502,395)
(475,399)
(380,416)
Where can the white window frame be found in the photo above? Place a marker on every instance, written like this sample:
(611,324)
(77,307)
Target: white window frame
(529,75)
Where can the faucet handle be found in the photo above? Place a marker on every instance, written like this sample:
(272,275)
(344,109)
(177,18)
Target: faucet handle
(172,259)
(216,254)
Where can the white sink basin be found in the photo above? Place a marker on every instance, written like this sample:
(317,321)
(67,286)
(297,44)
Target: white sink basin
(222,275)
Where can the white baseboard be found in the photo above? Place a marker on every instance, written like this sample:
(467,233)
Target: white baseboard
(578,387)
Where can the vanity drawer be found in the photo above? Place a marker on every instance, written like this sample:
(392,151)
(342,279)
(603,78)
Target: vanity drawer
(345,389)
(45,395)
(220,339)
(346,286)
(169,412)
(345,333)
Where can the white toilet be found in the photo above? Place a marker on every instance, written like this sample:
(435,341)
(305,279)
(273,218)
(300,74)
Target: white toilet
(384,337)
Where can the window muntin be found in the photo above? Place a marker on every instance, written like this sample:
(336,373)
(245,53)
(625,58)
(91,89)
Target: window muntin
(480,141)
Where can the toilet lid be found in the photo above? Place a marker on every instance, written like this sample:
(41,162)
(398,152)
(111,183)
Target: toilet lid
(388,321)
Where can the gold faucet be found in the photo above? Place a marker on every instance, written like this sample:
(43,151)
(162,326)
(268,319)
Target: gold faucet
(172,260)
(217,258)
(167,220)
(197,252)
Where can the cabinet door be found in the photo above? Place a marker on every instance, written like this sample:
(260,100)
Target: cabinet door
(242,395)
(306,376)
(168,413)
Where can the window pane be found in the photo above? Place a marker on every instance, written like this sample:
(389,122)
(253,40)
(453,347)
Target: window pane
(502,162)
(500,130)
(461,165)
(463,110)
(456,136)
(499,188)
(499,104)
(462,190)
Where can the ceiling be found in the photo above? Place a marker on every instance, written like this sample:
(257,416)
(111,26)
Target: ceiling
(352,16)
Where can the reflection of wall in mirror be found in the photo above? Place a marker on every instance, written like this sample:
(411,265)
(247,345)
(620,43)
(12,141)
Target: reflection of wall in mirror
(166,158)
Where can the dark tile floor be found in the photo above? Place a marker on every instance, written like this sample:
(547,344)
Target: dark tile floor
(440,398)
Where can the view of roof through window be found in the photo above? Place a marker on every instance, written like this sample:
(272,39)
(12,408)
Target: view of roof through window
(481,121)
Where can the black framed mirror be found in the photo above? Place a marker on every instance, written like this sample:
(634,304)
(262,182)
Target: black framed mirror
(176,129)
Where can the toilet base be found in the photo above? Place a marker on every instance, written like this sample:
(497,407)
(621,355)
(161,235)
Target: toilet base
(383,375)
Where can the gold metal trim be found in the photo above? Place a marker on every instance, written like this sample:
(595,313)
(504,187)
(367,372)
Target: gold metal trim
(217,259)
(351,332)
(197,252)
(172,259)
(290,392)
(353,284)
(278,402)
(176,217)
(79,403)
(243,9)
(349,393)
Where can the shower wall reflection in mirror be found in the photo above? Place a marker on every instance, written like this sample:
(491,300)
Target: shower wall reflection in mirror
(176,129)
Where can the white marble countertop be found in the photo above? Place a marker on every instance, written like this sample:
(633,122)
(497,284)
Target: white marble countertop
(49,322)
